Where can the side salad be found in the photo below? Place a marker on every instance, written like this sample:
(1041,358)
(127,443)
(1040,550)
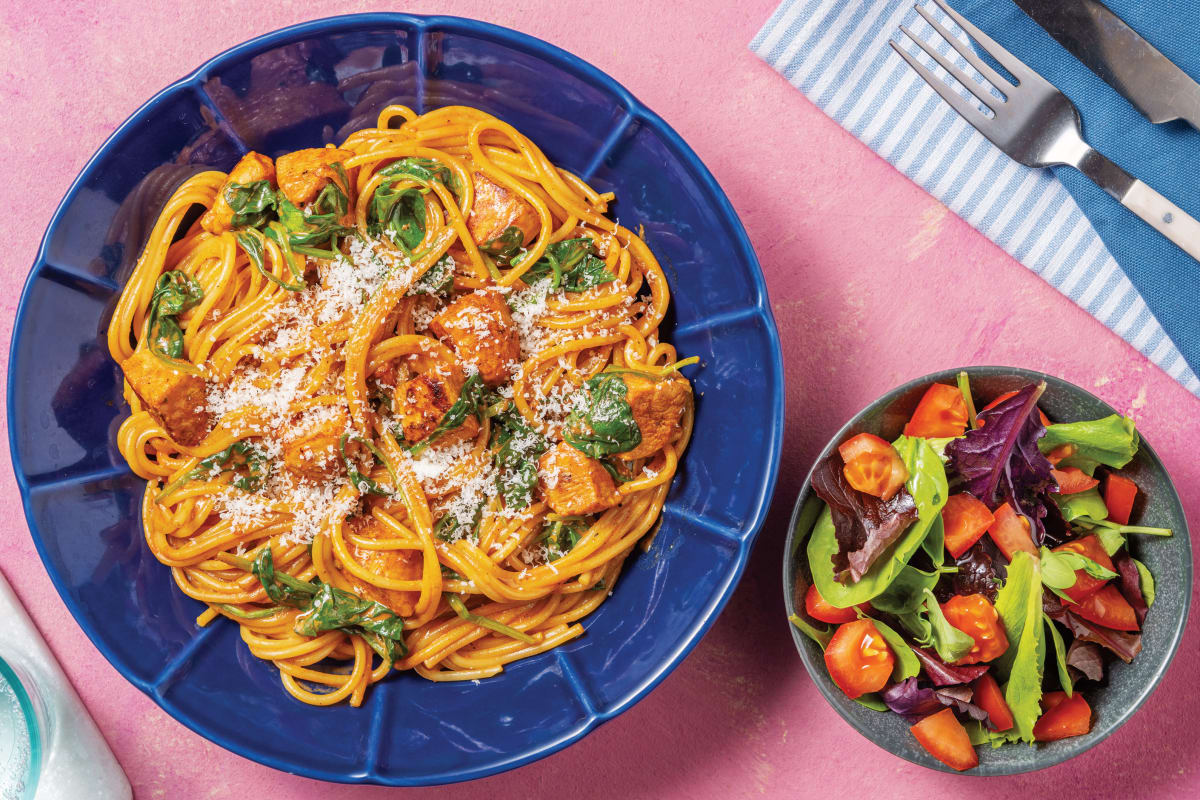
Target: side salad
(974,575)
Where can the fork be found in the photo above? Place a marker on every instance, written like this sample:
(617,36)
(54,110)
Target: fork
(1037,125)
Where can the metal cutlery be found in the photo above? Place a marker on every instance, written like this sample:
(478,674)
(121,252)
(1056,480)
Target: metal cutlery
(1157,88)
(1037,125)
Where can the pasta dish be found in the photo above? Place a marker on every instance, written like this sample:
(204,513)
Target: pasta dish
(401,403)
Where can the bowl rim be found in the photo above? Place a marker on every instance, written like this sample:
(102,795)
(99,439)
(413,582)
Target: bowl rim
(637,112)
(836,698)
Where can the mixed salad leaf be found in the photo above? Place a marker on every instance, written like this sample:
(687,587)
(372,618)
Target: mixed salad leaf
(1001,641)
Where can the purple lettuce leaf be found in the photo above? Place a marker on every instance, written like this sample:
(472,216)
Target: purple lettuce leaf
(865,526)
(980,570)
(1087,658)
(943,674)
(911,700)
(1000,462)
(1131,585)
(1125,644)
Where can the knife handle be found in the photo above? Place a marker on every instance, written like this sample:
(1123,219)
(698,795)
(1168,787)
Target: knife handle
(1154,209)
(1165,217)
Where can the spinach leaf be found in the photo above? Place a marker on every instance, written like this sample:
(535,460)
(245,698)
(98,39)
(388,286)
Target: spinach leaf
(332,609)
(247,460)
(307,230)
(437,280)
(560,537)
(906,593)
(821,635)
(928,486)
(1060,656)
(469,398)
(450,527)
(294,592)
(252,203)
(1147,581)
(399,212)
(907,665)
(174,293)
(930,627)
(518,448)
(571,265)
(871,701)
(333,200)
(602,422)
(1059,568)
(1102,525)
(1087,503)
(324,607)
(1112,441)
(460,608)
(421,170)
(251,241)
(359,481)
(505,246)
(1019,605)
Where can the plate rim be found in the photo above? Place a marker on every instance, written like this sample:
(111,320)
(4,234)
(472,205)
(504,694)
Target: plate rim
(638,111)
(834,698)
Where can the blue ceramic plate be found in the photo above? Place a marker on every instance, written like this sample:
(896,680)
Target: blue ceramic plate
(1125,686)
(302,87)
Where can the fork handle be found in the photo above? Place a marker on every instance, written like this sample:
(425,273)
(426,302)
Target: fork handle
(1154,209)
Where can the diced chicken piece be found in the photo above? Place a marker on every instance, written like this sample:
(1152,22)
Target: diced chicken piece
(572,483)
(311,444)
(253,167)
(479,327)
(304,173)
(177,399)
(401,565)
(423,401)
(497,208)
(657,406)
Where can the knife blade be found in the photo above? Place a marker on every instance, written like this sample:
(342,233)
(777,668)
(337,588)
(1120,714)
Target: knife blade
(1157,88)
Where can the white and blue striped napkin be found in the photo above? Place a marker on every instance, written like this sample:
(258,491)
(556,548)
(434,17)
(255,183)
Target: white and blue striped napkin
(837,53)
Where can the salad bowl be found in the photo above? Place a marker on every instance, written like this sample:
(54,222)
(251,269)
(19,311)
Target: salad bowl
(1125,686)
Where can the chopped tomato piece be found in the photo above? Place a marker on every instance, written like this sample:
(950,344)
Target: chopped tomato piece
(974,615)
(989,697)
(1010,532)
(942,412)
(858,658)
(1073,480)
(1059,453)
(1086,585)
(1119,494)
(819,608)
(1001,399)
(946,740)
(1109,608)
(873,466)
(965,519)
(1063,717)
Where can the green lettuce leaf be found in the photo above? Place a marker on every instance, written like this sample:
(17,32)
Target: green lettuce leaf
(1112,441)
(1019,604)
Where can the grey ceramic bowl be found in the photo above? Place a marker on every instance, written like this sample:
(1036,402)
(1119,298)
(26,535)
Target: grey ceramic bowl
(1126,686)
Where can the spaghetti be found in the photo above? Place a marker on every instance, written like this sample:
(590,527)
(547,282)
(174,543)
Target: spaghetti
(400,403)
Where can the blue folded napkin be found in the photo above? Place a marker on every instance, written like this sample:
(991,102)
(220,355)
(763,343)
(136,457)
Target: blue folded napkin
(1057,223)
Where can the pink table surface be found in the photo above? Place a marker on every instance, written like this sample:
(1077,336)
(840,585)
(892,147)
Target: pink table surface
(872,281)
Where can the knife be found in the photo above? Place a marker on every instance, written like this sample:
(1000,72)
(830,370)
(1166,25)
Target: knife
(1157,88)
